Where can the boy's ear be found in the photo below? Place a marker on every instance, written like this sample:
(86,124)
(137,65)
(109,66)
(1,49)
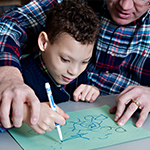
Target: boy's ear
(43,41)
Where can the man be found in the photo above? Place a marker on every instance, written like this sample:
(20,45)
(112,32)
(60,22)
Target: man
(122,58)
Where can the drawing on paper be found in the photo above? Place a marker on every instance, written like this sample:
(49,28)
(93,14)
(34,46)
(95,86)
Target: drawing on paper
(90,123)
(82,127)
(85,129)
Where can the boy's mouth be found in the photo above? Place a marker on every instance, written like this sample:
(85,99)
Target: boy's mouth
(67,79)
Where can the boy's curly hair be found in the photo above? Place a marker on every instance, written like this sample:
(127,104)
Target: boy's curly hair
(75,18)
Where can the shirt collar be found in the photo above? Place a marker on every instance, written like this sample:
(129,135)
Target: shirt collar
(145,16)
(43,67)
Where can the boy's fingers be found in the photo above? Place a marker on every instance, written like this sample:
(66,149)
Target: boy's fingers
(77,93)
(61,112)
(37,129)
(92,95)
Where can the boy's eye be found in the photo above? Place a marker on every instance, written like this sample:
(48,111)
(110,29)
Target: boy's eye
(64,60)
(85,62)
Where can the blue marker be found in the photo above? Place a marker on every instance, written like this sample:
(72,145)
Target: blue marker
(2,129)
(51,101)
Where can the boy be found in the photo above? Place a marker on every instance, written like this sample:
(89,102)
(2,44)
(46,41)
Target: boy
(66,47)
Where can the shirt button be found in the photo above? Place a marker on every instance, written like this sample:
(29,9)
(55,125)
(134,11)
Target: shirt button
(112,54)
(107,72)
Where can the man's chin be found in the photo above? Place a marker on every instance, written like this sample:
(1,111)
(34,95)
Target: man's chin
(121,22)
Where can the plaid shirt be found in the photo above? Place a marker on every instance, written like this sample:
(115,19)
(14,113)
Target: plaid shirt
(122,55)
(122,52)
(19,28)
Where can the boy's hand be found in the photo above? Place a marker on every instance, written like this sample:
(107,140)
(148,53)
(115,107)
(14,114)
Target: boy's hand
(47,119)
(86,92)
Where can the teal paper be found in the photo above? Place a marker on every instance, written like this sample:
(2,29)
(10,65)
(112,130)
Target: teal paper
(85,129)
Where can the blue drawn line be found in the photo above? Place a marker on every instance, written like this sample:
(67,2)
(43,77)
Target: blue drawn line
(90,122)
(82,127)
(106,136)
(78,135)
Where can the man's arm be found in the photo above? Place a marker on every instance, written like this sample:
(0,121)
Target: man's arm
(17,29)
(15,93)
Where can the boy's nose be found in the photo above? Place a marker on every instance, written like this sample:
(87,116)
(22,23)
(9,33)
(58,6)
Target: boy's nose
(126,4)
(73,70)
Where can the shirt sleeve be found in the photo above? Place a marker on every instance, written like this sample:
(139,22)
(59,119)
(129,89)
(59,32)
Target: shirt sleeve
(20,27)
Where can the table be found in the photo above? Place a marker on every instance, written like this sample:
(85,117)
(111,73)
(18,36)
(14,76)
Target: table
(8,143)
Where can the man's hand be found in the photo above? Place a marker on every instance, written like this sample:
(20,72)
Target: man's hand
(125,99)
(13,94)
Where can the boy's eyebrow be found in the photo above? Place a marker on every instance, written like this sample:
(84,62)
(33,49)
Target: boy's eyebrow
(69,56)
(88,58)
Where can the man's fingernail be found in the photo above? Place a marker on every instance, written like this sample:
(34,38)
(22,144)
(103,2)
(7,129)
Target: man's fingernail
(139,124)
(116,118)
(33,121)
(121,122)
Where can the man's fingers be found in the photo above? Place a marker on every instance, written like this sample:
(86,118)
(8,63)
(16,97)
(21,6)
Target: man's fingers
(34,103)
(5,111)
(127,115)
(4,116)
(17,113)
(113,109)
(17,109)
(120,109)
(125,91)
(143,115)
(122,100)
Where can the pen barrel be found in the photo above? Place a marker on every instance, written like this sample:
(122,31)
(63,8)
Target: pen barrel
(56,124)
(51,101)
(59,133)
